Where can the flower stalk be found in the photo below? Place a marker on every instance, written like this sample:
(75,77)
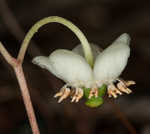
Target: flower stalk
(86,47)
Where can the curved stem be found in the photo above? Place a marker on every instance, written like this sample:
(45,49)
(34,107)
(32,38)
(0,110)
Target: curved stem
(86,47)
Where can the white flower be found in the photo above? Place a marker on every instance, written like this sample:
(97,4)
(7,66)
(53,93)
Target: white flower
(72,68)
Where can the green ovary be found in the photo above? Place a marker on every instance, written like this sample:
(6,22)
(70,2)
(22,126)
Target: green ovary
(94,102)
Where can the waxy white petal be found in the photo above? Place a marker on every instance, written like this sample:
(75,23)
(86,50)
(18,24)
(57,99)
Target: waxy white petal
(66,65)
(96,50)
(43,62)
(111,62)
(70,66)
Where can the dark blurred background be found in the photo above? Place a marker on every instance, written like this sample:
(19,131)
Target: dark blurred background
(102,21)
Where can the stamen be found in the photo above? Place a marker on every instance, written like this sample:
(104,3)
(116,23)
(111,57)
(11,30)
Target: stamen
(77,95)
(63,94)
(122,87)
(93,92)
(113,91)
(129,83)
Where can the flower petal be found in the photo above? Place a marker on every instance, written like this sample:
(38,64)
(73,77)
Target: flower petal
(66,65)
(95,49)
(112,61)
(43,62)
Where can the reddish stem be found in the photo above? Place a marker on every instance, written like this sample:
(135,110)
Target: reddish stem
(26,98)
